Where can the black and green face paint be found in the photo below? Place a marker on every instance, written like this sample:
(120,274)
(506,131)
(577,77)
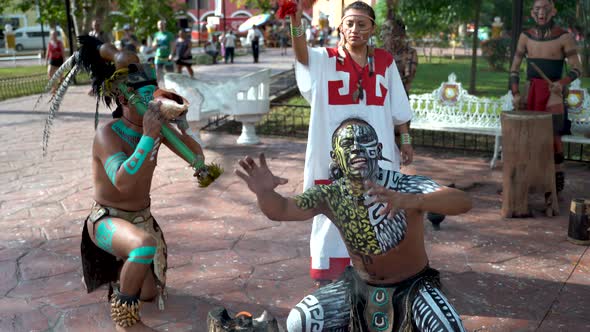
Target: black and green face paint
(357,151)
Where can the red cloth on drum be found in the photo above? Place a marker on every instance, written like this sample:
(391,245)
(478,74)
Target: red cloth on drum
(537,101)
(538,95)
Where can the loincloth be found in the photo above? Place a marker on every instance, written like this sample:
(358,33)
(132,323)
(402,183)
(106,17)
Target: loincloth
(385,308)
(100,267)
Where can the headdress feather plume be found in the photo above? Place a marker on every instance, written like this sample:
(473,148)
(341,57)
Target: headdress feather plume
(56,102)
(56,78)
(87,58)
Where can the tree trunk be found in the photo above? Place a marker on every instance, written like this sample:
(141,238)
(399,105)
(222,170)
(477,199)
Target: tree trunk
(517,6)
(391,8)
(528,162)
(472,89)
(584,19)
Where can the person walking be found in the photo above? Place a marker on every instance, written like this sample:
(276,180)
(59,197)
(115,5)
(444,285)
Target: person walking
(230,46)
(182,54)
(164,44)
(254,37)
(55,54)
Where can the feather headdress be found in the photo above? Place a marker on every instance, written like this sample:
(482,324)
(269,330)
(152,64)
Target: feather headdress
(87,58)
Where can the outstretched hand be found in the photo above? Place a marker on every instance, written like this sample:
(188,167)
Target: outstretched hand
(393,200)
(259,178)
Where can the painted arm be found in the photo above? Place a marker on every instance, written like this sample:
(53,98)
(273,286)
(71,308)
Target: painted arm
(125,171)
(515,70)
(444,200)
(262,182)
(570,49)
(298,37)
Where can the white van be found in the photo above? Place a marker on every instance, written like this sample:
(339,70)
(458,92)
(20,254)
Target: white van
(29,38)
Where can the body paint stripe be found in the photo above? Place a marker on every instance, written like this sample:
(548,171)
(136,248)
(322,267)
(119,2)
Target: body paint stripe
(113,164)
(133,164)
(140,260)
(104,235)
(142,251)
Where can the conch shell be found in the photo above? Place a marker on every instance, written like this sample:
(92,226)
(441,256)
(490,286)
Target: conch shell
(173,104)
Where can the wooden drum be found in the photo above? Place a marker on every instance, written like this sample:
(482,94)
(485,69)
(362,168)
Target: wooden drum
(527,144)
(578,231)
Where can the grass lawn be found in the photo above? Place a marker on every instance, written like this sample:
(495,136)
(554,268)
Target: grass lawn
(430,75)
(22,71)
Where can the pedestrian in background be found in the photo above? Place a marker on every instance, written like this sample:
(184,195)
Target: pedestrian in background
(55,55)
(230,46)
(254,36)
(164,44)
(182,54)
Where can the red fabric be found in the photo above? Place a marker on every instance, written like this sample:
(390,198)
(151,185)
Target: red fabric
(383,60)
(337,267)
(537,101)
(538,95)
(55,50)
(286,8)
(322,181)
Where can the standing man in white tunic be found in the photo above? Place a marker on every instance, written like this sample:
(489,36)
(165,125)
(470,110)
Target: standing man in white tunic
(351,80)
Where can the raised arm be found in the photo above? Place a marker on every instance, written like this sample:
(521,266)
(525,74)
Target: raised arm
(443,200)
(262,182)
(298,37)
(124,171)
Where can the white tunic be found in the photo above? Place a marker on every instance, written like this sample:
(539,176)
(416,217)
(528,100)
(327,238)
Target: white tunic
(328,84)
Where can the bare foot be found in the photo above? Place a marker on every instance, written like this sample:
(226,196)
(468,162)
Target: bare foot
(138,327)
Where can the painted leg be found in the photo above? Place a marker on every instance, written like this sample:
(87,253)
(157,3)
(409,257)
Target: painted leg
(122,239)
(431,311)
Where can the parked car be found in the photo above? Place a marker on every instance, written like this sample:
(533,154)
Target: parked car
(29,38)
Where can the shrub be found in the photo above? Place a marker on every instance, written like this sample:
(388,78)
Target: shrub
(497,52)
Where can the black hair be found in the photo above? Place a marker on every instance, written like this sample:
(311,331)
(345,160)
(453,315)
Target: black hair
(359,5)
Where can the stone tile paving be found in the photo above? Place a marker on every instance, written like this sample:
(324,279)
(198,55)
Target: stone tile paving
(501,274)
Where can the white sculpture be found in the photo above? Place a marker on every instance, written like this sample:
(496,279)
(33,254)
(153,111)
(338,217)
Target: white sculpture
(246,98)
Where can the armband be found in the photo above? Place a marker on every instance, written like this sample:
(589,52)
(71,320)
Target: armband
(514,81)
(297,31)
(406,139)
(572,75)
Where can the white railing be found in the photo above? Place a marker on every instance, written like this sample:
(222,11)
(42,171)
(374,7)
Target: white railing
(451,108)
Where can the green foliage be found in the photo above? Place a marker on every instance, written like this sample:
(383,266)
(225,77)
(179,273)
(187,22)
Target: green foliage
(53,12)
(497,52)
(264,6)
(144,15)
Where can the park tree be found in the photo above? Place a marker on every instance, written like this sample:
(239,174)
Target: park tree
(144,14)
(264,6)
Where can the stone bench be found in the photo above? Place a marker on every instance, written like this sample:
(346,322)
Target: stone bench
(451,108)
(246,98)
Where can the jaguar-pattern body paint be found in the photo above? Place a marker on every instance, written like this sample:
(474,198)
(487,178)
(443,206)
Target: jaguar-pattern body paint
(365,231)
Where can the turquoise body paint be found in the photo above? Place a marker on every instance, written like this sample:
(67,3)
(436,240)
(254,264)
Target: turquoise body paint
(142,251)
(132,165)
(104,235)
(127,134)
(112,165)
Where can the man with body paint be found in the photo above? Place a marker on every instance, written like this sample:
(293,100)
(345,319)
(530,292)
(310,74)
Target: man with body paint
(390,286)
(547,46)
(121,240)
(354,79)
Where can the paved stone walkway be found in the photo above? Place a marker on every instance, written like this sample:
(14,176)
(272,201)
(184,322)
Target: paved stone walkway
(501,274)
